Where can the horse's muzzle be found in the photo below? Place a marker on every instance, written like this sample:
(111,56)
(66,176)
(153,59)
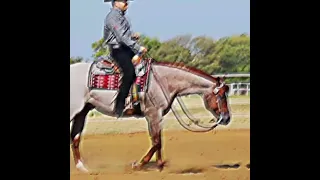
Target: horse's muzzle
(224,119)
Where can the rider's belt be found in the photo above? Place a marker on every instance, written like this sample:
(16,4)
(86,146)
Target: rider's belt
(114,46)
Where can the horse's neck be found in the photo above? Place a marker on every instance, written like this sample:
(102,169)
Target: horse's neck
(181,82)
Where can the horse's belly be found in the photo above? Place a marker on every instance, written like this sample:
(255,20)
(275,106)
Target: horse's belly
(103,100)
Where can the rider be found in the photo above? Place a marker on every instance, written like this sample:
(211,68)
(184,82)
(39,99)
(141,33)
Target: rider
(119,38)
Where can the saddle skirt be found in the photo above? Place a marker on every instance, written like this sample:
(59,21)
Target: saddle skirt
(105,74)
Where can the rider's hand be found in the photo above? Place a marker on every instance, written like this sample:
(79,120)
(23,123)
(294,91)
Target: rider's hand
(135,36)
(143,49)
(137,58)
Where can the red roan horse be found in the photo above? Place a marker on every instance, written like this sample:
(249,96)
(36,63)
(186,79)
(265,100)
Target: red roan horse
(95,86)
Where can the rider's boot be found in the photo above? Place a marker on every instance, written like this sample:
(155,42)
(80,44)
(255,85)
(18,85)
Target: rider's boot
(119,112)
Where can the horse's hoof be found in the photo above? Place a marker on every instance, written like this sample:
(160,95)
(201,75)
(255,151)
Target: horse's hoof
(161,165)
(136,166)
(81,167)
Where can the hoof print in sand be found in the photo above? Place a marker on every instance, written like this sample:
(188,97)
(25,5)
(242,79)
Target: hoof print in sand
(227,166)
(189,171)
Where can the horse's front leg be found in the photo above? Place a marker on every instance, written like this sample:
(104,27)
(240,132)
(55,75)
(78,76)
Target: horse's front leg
(160,162)
(154,119)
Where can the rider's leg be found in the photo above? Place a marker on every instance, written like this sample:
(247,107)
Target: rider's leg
(123,57)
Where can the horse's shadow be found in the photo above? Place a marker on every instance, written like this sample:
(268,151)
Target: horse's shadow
(150,166)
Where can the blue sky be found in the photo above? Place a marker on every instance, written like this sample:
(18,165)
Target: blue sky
(159,18)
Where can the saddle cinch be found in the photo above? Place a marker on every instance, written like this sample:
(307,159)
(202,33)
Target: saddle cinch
(105,74)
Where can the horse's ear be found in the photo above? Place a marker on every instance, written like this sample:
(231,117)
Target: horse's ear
(227,88)
(218,80)
(222,79)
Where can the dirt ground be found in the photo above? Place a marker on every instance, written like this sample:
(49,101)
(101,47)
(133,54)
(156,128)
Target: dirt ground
(189,155)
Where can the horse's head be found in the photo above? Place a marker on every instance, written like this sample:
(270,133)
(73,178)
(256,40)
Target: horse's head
(217,103)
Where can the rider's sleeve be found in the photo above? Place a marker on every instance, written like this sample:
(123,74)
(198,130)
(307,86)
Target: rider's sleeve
(121,32)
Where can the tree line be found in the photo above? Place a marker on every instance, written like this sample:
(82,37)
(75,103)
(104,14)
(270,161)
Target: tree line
(229,54)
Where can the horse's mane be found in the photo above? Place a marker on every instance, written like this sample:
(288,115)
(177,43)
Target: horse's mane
(182,66)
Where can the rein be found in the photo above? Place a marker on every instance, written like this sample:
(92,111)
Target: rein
(193,119)
(184,109)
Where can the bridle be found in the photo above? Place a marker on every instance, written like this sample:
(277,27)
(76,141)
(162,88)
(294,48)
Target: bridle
(219,97)
(185,110)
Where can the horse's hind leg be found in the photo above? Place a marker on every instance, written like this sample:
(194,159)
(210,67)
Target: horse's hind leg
(77,127)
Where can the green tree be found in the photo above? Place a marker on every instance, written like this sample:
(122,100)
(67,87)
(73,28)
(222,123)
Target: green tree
(234,54)
(152,44)
(175,50)
(226,55)
(77,59)
(202,49)
(99,50)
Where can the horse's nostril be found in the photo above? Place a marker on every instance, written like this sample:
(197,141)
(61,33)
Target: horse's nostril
(226,120)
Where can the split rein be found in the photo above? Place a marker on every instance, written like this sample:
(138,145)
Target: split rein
(184,109)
